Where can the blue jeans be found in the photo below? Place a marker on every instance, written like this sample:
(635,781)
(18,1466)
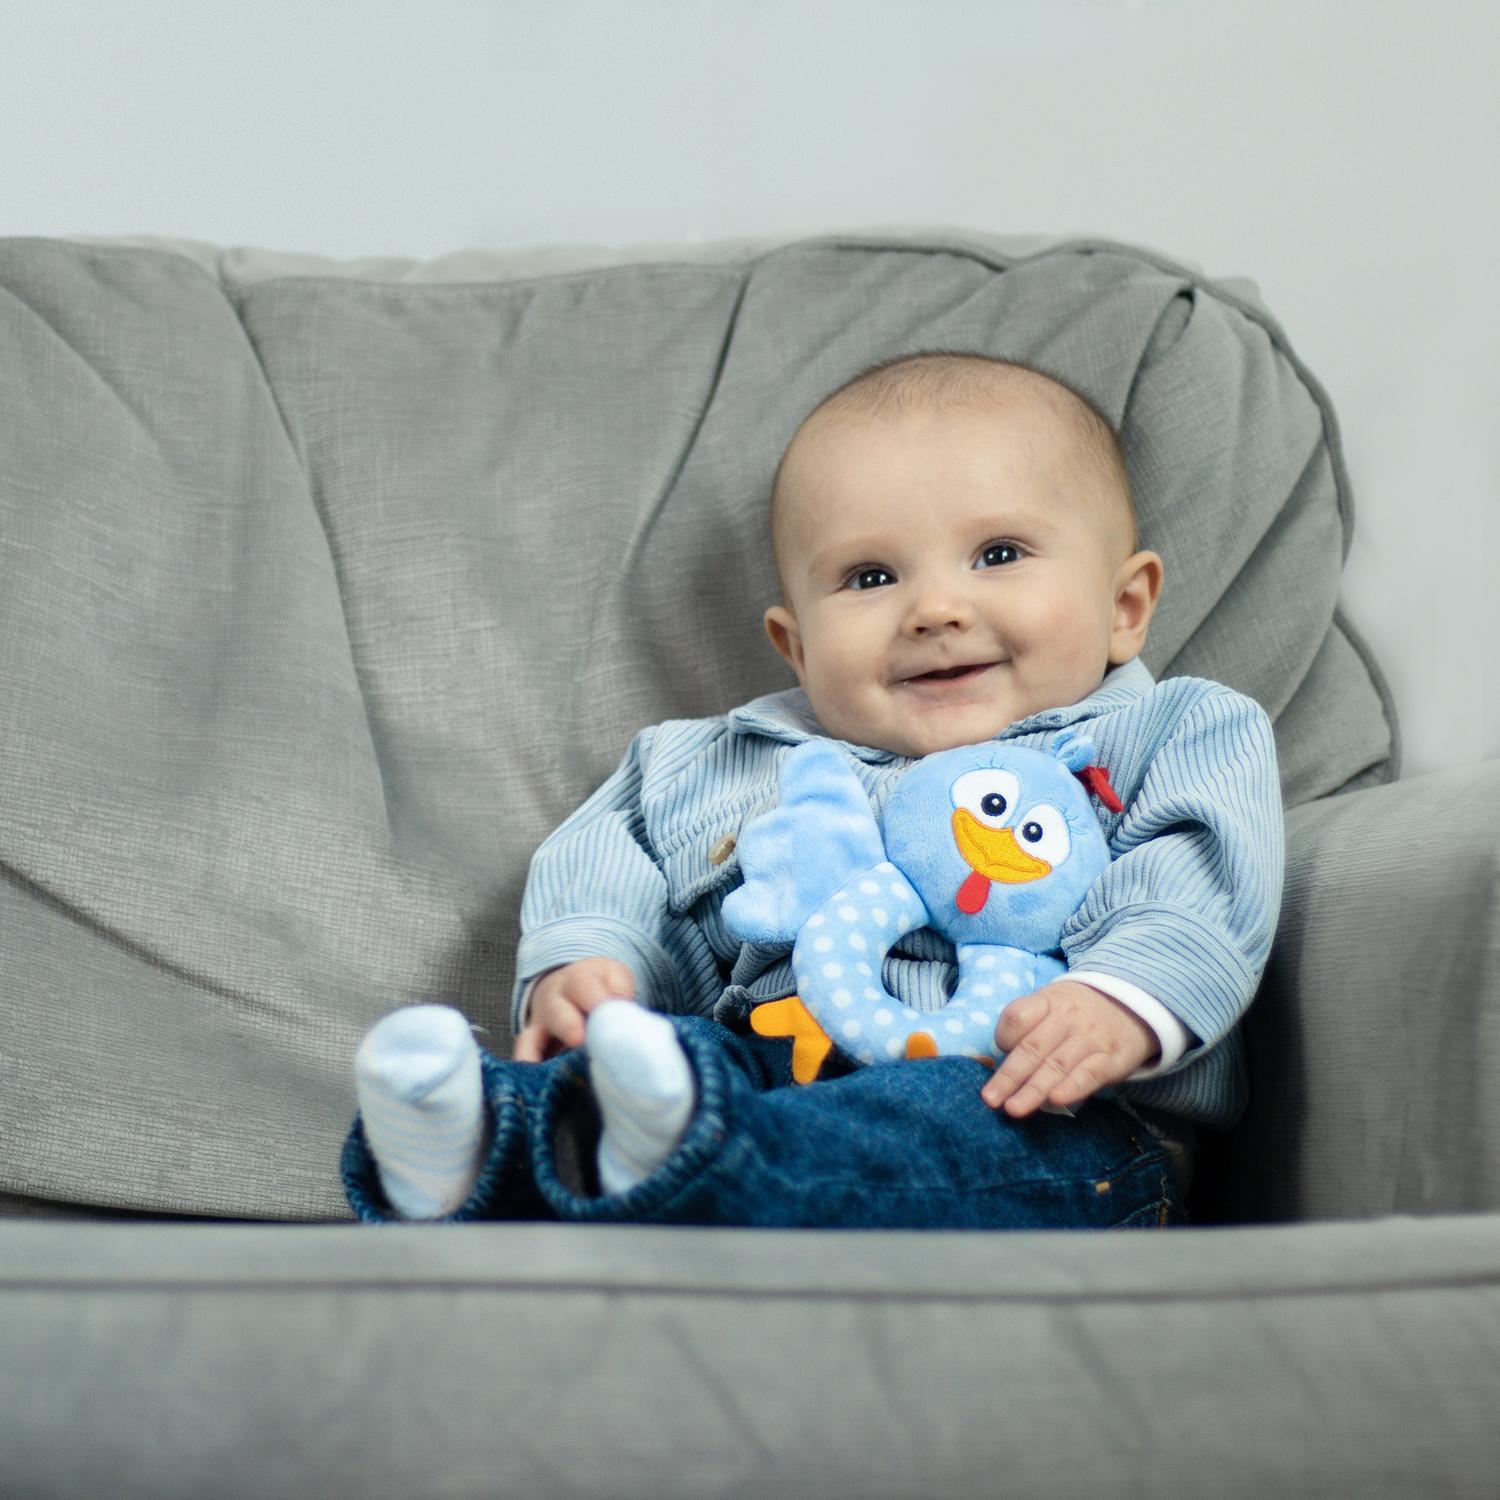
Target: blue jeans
(904,1145)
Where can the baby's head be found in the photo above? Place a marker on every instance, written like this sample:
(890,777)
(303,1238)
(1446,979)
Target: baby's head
(956,545)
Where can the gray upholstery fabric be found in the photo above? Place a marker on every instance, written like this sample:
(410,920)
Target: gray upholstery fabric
(1307,1361)
(327,591)
(1374,1044)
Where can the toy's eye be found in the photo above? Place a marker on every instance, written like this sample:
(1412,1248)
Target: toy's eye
(1043,831)
(989,795)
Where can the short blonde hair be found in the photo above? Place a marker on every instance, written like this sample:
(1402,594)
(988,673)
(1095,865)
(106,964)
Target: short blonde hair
(947,377)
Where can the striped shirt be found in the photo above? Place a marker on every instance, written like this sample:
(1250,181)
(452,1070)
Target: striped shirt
(1182,919)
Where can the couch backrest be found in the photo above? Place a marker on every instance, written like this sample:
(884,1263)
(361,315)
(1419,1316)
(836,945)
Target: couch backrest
(328,589)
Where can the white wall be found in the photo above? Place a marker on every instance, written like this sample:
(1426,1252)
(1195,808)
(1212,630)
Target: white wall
(1339,152)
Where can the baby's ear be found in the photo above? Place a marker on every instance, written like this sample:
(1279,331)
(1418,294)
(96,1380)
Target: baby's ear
(781,626)
(1137,589)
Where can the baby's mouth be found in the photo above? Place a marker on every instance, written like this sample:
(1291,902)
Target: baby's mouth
(952,674)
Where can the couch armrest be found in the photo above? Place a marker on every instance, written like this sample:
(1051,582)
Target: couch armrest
(1374,1044)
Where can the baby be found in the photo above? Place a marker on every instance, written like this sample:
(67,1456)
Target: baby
(957,550)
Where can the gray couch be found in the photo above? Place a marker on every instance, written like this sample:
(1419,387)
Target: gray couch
(326,589)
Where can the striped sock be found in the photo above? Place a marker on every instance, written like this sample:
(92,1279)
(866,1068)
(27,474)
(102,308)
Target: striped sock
(416,1076)
(645,1088)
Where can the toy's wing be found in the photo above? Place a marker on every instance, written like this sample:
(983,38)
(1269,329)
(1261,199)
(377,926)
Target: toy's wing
(793,858)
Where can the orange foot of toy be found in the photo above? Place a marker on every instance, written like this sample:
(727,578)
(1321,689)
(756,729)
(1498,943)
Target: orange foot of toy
(790,1017)
(920,1044)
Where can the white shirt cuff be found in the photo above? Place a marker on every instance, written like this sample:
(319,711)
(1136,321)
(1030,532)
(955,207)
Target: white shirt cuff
(523,1010)
(1171,1035)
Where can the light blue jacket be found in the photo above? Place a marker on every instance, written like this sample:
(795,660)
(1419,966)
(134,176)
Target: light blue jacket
(1186,910)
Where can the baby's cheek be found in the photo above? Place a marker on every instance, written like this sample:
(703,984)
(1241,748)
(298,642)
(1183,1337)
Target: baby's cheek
(1070,644)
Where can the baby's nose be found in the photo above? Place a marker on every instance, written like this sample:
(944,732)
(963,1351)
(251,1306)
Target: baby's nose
(939,612)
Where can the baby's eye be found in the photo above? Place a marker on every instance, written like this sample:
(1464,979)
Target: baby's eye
(996,554)
(870,578)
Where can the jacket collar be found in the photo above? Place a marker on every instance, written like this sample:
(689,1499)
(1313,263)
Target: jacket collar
(788,715)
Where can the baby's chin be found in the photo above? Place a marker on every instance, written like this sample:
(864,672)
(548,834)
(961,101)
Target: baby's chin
(941,732)
(926,735)
(938,729)
(937,743)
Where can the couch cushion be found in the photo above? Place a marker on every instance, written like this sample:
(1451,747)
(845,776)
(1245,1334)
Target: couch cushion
(1304,1362)
(327,590)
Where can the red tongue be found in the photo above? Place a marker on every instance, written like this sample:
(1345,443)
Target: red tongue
(972,893)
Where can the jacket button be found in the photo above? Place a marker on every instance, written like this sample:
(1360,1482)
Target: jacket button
(721,850)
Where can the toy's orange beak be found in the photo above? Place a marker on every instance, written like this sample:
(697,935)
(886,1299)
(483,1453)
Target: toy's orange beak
(992,854)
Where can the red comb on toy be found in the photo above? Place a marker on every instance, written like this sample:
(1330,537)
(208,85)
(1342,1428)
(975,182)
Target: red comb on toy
(1096,779)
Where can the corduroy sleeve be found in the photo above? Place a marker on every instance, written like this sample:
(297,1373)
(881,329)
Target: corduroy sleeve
(594,889)
(1188,906)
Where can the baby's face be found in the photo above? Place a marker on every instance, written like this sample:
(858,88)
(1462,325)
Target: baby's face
(948,572)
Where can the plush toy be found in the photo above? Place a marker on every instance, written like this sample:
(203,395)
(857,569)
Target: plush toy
(993,845)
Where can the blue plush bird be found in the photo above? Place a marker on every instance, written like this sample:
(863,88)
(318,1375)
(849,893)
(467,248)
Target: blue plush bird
(992,845)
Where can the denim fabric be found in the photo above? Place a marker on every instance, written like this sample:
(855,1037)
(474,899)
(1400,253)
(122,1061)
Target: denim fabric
(504,1189)
(906,1145)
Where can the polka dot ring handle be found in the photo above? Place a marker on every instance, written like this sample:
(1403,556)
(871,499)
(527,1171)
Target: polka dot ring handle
(837,964)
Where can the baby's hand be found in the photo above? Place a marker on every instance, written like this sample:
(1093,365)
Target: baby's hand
(561,1000)
(1066,1041)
